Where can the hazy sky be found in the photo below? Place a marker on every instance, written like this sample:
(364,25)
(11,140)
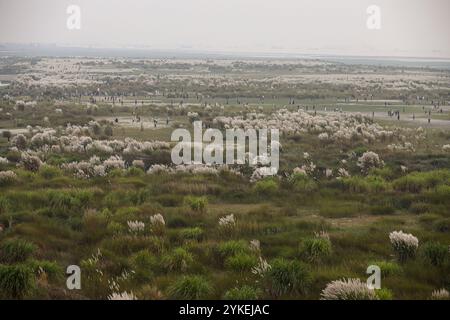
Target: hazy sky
(417,28)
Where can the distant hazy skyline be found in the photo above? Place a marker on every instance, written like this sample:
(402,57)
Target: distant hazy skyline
(413,28)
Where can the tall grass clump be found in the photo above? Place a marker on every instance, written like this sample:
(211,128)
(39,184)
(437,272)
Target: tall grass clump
(178,260)
(266,187)
(348,289)
(315,249)
(242,293)
(15,250)
(405,245)
(190,288)
(241,262)
(16,281)
(288,276)
(434,253)
(197,204)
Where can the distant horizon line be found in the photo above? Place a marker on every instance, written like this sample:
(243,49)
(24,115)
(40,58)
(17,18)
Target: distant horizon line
(223,52)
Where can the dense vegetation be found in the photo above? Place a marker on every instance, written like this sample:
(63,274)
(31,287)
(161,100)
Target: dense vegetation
(138,232)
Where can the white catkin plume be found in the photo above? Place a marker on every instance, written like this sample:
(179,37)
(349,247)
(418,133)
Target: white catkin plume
(122,296)
(136,226)
(157,219)
(441,294)
(7,177)
(261,268)
(348,289)
(404,244)
(255,245)
(227,221)
(369,160)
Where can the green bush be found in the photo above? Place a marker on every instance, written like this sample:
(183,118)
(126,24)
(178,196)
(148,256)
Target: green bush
(242,293)
(197,204)
(190,288)
(434,253)
(16,281)
(241,262)
(417,181)
(49,172)
(266,187)
(51,268)
(302,183)
(388,268)
(232,248)
(15,250)
(384,294)
(143,262)
(288,277)
(195,233)
(315,249)
(178,260)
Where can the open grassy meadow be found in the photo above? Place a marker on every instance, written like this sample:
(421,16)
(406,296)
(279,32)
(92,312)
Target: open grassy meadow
(87,180)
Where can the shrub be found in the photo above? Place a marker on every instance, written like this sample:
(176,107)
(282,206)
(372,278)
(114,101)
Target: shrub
(49,172)
(7,178)
(178,260)
(232,248)
(16,250)
(242,293)
(418,181)
(315,249)
(241,262)
(15,281)
(51,269)
(190,288)
(369,160)
(302,183)
(405,245)
(383,294)
(266,187)
(434,253)
(355,184)
(288,277)
(192,233)
(376,184)
(388,268)
(197,203)
(348,289)
(142,263)
(442,225)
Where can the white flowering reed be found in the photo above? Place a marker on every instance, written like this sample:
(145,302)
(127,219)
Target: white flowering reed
(7,177)
(122,296)
(227,221)
(348,289)
(441,294)
(136,226)
(261,268)
(404,244)
(157,219)
(369,160)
